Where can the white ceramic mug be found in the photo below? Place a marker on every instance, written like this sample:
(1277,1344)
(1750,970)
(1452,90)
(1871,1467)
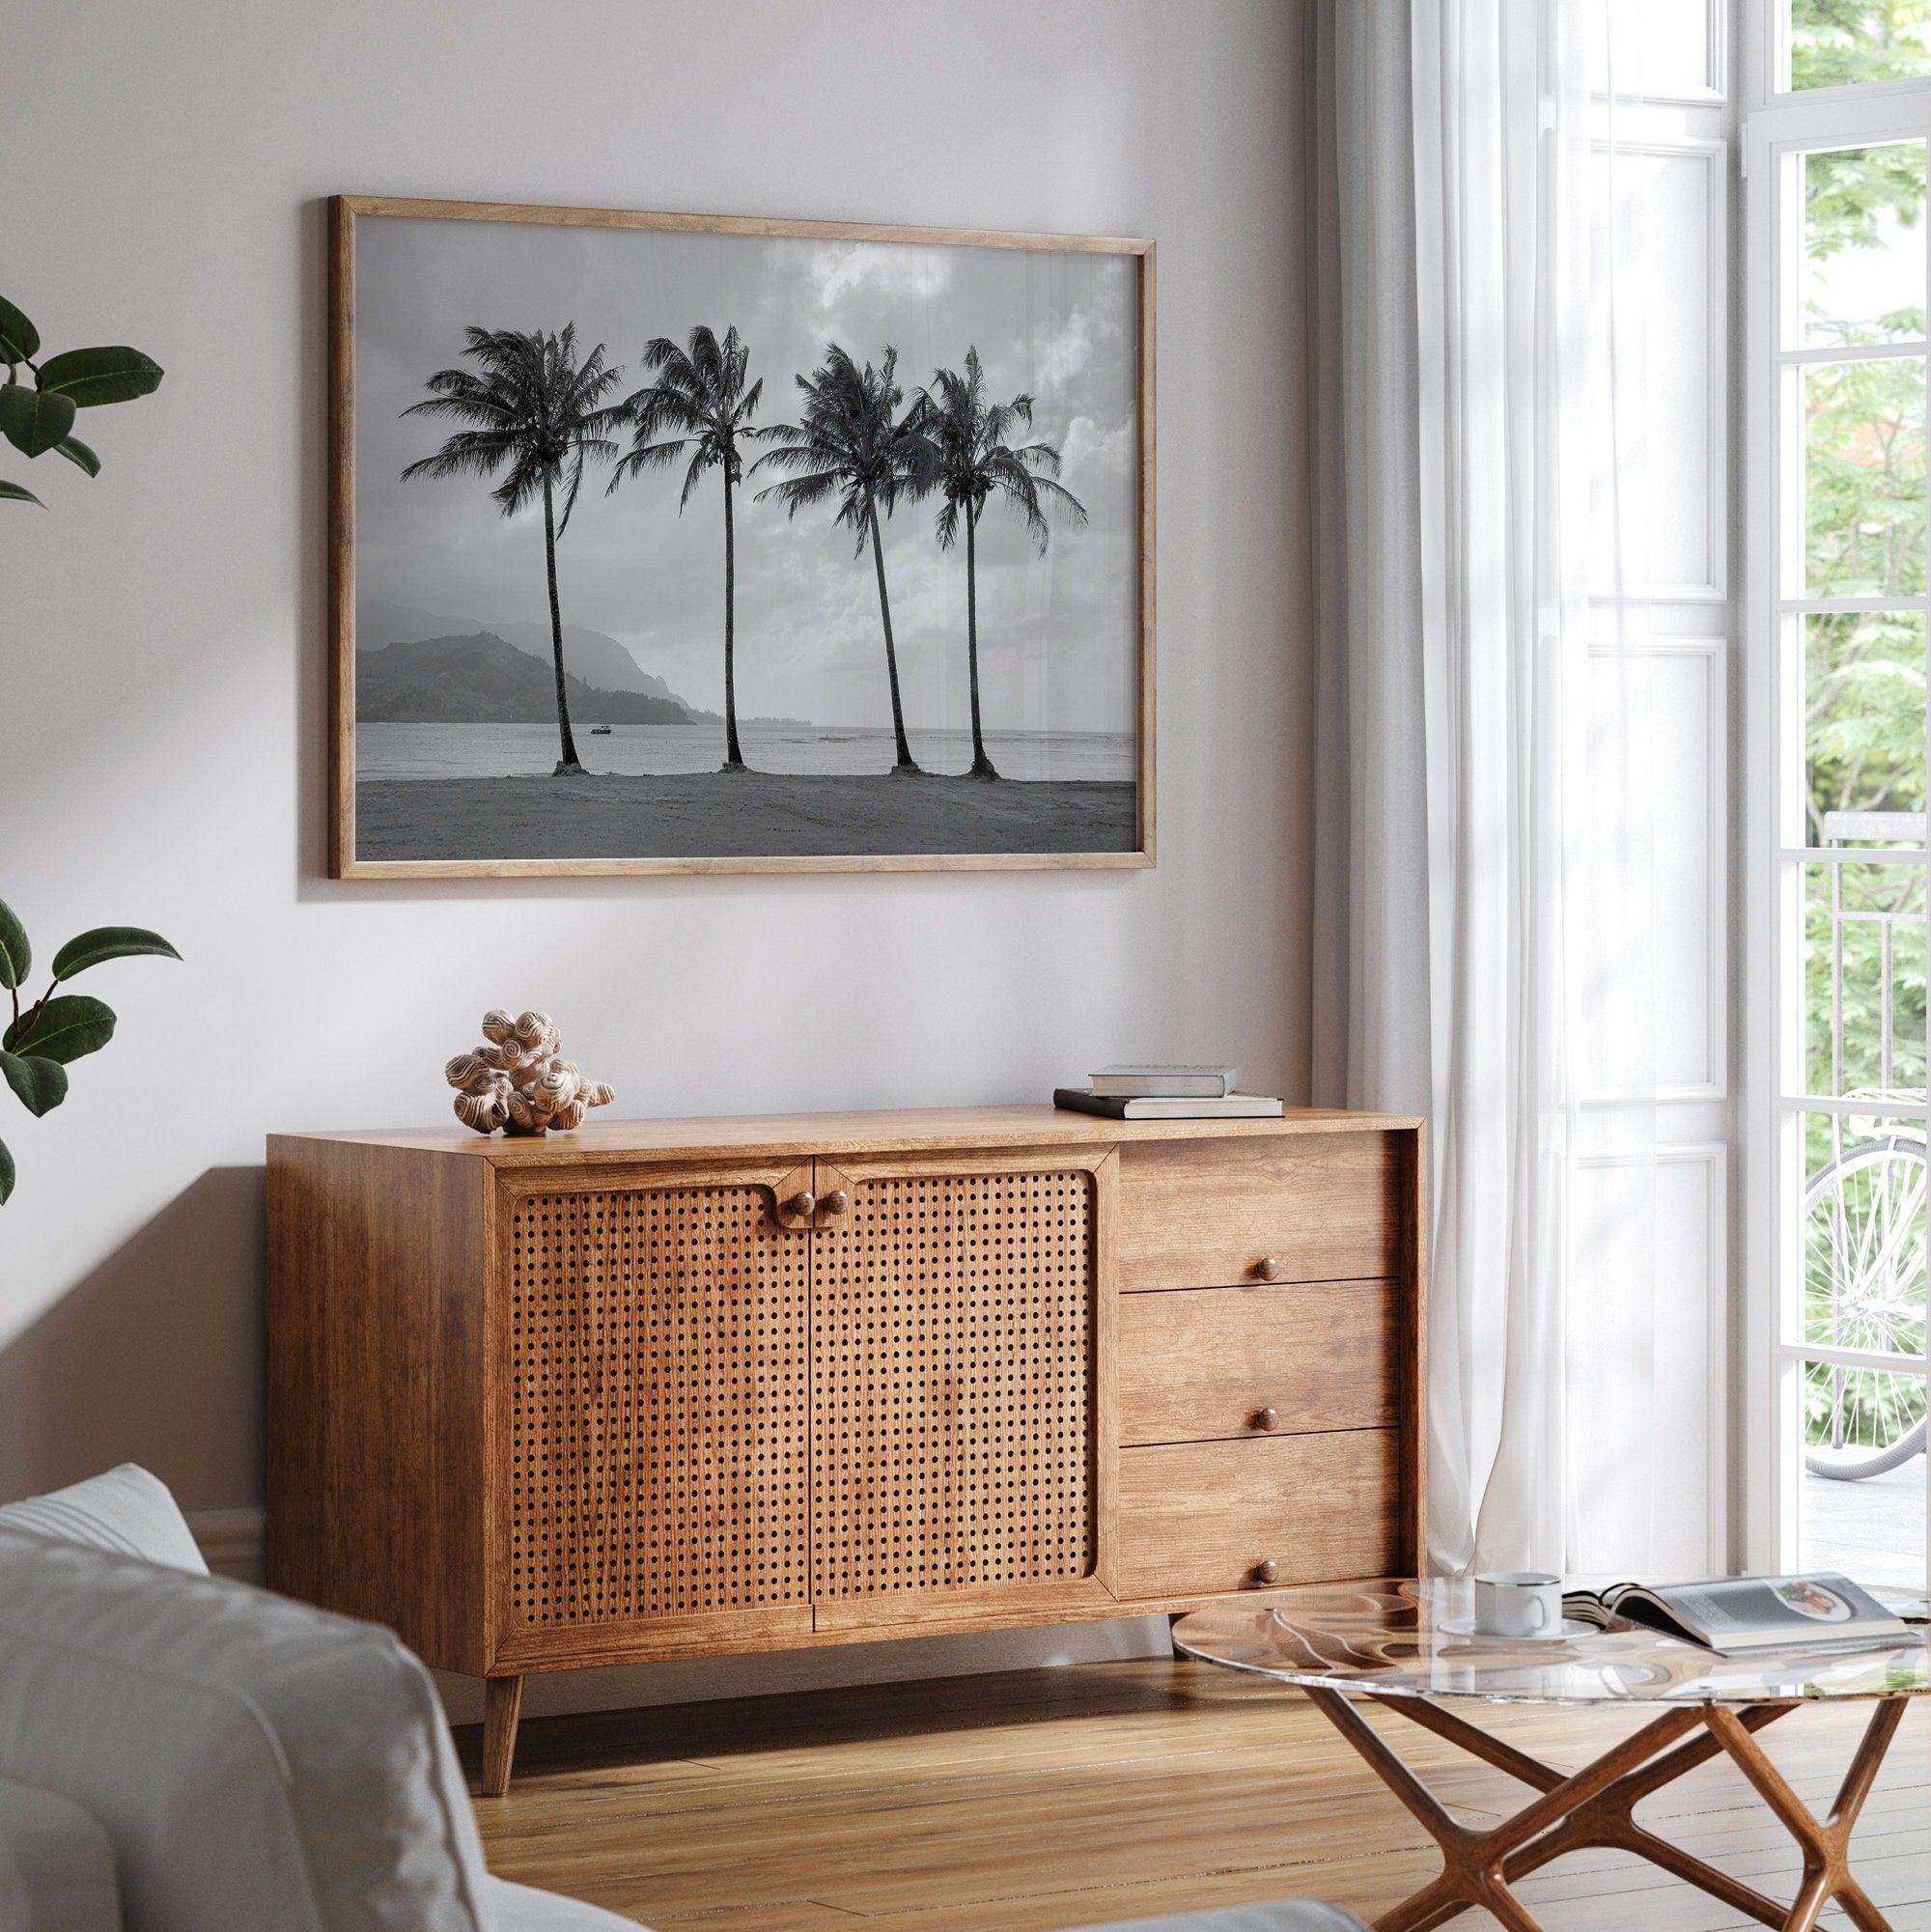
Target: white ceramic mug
(1518,1602)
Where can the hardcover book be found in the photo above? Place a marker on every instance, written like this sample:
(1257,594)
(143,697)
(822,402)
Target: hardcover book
(1167,1107)
(1174,1081)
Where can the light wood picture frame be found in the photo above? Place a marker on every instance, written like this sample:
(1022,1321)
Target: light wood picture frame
(870,571)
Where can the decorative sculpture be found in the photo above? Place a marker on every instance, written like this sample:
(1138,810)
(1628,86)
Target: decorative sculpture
(518,1080)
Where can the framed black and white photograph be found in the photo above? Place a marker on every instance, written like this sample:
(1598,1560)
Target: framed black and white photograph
(689,543)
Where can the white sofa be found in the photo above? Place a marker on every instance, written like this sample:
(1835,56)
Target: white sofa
(184,1753)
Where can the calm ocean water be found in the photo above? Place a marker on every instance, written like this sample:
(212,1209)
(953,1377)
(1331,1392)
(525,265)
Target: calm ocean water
(505,750)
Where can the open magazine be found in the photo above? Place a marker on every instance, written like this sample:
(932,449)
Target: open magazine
(1736,1617)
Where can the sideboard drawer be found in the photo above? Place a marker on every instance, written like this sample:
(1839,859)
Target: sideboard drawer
(1207,1214)
(1200,1518)
(1287,1359)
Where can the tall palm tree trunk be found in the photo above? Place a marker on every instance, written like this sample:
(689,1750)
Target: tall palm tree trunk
(982,766)
(906,760)
(567,762)
(734,759)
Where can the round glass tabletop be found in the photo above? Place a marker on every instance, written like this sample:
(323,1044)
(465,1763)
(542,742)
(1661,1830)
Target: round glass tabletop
(1399,1638)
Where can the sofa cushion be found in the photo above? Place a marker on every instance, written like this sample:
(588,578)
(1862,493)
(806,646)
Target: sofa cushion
(126,1509)
(56,1865)
(260,1766)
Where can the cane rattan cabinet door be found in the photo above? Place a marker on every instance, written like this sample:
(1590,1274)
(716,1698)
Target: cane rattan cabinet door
(956,1390)
(657,1402)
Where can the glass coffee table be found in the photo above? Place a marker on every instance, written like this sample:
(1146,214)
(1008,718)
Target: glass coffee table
(1406,1645)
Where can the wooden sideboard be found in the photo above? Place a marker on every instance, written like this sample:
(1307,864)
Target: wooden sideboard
(673,1389)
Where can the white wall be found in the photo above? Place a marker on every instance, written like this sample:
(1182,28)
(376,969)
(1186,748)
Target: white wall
(161,665)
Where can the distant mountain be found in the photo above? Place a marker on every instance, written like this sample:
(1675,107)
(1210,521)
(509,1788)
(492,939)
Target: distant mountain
(483,679)
(598,660)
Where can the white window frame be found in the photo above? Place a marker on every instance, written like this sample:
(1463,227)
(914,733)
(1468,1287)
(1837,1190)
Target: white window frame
(1777,126)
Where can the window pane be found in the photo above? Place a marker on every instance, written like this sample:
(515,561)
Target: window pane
(1840,1202)
(1863,979)
(1864,246)
(1864,1265)
(1862,1495)
(1863,729)
(1863,478)
(1840,42)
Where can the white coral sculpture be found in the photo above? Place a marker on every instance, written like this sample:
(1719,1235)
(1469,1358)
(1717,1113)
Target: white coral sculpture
(518,1080)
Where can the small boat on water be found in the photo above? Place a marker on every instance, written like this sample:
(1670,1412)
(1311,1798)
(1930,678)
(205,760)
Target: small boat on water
(600,730)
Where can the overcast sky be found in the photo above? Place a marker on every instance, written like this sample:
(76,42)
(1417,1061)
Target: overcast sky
(1057,635)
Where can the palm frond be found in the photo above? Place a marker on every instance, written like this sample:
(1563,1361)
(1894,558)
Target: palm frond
(523,484)
(804,451)
(639,458)
(653,411)
(469,453)
(696,398)
(947,524)
(542,412)
(802,492)
(1041,456)
(1058,493)
(692,476)
(570,501)
(972,454)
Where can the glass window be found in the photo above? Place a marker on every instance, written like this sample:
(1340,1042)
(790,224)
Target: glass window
(1846,43)
(1863,478)
(1863,278)
(1841,566)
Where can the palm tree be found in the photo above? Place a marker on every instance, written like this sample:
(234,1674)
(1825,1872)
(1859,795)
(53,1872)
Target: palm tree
(699,403)
(852,443)
(540,413)
(976,458)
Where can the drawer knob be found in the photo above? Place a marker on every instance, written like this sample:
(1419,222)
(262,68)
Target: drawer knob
(803,1205)
(1267,1418)
(836,1201)
(1268,1268)
(1266,1571)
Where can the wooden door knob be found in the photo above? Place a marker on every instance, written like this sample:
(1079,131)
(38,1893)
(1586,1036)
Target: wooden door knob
(835,1202)
(1267,1418)
(1268,1268)
(1266,1571)
(803,1205)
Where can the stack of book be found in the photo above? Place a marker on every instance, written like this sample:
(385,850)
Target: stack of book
(1166,1093)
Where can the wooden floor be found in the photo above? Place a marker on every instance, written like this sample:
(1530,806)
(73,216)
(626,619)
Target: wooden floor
(1065,1798)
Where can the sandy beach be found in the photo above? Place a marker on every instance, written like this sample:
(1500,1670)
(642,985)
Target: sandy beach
(749,814)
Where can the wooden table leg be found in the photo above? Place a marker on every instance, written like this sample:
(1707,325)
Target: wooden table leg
(1473,1863)
(1609,1821)
(502,1707)
(1826,1843)
(1595,1808)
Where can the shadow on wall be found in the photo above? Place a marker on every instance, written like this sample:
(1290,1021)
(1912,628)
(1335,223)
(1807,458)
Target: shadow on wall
(155,1358)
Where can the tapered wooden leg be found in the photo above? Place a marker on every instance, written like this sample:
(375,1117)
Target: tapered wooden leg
(502,1707)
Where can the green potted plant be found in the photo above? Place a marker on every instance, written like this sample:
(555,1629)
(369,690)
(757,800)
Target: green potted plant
(43,1037)
(38,417)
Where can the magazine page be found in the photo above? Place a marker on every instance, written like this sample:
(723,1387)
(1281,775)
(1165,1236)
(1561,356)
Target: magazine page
(1791,1610)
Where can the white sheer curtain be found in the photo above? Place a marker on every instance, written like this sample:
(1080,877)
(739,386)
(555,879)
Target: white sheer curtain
(1478,785)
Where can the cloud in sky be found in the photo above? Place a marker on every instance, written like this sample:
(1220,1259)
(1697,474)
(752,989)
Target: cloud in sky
(1057,635)
(884,272)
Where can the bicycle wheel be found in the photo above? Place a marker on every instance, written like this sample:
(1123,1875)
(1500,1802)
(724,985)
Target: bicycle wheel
(1864,1288)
